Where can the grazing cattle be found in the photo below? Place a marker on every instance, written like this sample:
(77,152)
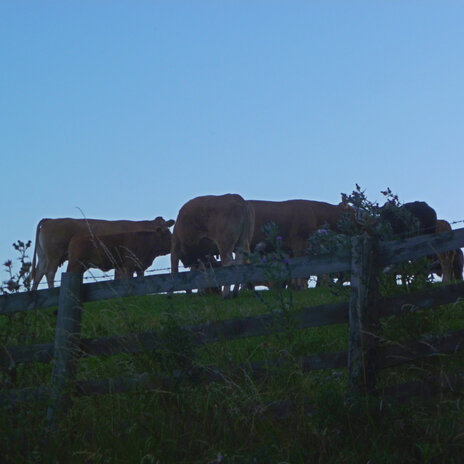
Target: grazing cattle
(211,225)
(53,237)
(296,221)
(125,252)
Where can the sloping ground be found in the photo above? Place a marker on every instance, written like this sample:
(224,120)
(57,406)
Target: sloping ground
(281,414)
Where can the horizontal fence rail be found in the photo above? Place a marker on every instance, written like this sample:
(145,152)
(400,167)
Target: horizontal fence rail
(237,328)
(417,247)
(389,356)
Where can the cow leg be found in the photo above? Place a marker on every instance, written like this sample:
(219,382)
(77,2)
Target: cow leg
(174,261)
(240,258)
(226,260)
(50,279)
(323,280)
(242,251)
(41,269)
(446,262)
(38,274)
(122,274)
(51,272)
(299,249)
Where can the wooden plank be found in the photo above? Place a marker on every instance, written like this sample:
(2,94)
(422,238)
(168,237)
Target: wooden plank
(449,382)
(209,332)
(388,356)
(40,352)
(247,273)
(24,395)
(231,329)
(147,382)
(437,296)
(363,317)
(162,283)
(207,374)
(452,342)
(27,301)
(68,328)
(399,251)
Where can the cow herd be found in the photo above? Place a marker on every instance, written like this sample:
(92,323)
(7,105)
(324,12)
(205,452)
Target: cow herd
(205,227)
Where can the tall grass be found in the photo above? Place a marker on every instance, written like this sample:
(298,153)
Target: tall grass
(285,415)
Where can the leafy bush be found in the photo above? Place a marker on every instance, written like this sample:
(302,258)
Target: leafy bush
(376,220)
(20,280)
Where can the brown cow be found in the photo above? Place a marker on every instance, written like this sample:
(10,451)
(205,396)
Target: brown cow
(450,262)
(53,237)
(296,220)
(126,252)
(210,225)
(446,258)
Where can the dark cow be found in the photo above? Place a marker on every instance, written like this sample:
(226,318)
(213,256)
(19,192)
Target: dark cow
(126,252)
(211,225)
(410,219)
(296,221)
(53,237)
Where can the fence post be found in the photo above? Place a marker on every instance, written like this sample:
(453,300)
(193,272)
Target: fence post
(363,316)
(67,335)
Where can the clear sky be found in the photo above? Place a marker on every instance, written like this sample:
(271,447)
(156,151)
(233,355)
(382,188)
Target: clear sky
(128,109)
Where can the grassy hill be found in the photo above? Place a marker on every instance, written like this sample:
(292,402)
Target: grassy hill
(283,415)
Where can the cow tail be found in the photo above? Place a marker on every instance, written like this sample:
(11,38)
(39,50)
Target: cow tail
(34,257)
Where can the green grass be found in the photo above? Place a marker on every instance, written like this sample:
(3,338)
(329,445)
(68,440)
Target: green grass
(238,419)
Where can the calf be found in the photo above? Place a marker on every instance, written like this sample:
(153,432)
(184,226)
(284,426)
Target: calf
(126,252)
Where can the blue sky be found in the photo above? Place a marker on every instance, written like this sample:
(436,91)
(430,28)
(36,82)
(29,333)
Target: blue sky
(128,109)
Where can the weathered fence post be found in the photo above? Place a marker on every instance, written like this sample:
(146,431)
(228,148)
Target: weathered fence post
(67,335)
(363,316)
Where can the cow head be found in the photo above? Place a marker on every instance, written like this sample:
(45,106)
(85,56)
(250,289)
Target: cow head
(160,221)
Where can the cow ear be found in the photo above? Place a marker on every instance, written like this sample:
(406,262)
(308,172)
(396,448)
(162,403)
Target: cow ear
(170,223)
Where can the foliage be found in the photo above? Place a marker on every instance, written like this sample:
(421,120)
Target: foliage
(366,216)
(20,280)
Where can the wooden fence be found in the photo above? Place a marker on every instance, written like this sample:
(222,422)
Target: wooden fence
(363,357)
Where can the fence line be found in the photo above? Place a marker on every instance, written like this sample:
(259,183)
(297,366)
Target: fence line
(362,357)
(233,329)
